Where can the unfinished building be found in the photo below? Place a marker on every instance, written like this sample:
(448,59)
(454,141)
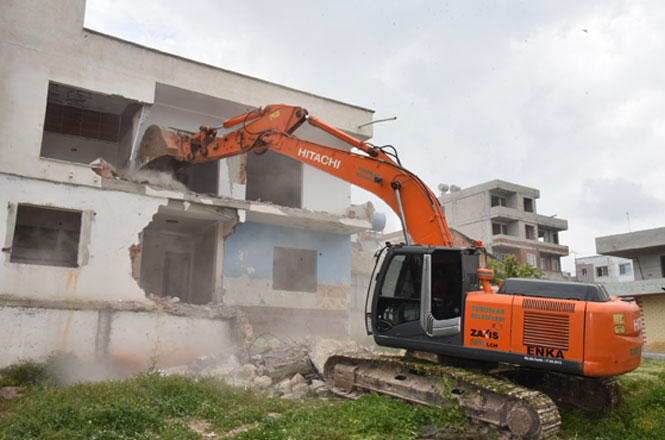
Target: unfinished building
(139,266)
(503,216)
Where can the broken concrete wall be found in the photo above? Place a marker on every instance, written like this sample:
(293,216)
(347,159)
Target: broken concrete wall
(252,272)
(110,225)
(123,340)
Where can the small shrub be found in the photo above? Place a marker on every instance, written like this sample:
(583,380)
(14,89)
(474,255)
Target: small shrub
(25,373)
(59,369)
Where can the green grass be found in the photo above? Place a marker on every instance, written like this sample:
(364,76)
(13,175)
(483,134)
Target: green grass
(641,415)
(152,406)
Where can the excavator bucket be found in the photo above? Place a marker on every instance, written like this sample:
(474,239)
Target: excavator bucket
(161,149)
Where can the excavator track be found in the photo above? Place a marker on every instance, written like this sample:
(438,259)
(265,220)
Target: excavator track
(526,413)
(587,394)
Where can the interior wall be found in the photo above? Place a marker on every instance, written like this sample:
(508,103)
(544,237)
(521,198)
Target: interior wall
(322,191)
(272,177)
(81,126)
(178,258)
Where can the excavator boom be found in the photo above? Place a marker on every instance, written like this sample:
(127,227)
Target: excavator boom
(272,128)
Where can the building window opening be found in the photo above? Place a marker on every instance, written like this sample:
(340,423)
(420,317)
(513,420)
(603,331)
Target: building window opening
(530,232)
(555,265)
(46,236)
(625,269)
(528,204)
(498,201)
(555,237)
(602,271)
(81,126)
(499,229)
(584,271)
(294,270)
(532,259)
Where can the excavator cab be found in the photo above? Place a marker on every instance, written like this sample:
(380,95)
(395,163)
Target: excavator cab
(420,292)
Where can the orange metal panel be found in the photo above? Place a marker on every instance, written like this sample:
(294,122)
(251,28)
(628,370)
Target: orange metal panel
(613,338)
(487,320)
(550,328)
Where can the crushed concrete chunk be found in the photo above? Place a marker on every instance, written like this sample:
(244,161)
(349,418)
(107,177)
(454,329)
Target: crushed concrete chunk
(298,379)
(285,387)
(247,372)
(322,349)
(300,390)
(262,382)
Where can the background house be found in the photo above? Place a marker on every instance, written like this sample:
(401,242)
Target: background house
(504,217)
(646,249)
(145,267)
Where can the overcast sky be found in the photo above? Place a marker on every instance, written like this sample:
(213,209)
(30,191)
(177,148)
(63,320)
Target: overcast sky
(564,96)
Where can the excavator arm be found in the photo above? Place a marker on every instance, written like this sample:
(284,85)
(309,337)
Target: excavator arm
(272,127)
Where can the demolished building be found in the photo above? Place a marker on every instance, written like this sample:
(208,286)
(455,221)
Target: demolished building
(134,266)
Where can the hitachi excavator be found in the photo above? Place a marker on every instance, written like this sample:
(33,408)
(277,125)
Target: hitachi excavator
(504,355)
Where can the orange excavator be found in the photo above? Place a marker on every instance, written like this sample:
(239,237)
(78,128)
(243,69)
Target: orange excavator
(505,356)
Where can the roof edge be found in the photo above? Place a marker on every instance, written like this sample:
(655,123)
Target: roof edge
(201,63)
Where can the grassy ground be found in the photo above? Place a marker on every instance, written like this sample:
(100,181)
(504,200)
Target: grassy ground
(641,415)
(151,406)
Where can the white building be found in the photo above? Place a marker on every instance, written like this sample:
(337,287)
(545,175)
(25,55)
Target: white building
(86,259)
(604,269)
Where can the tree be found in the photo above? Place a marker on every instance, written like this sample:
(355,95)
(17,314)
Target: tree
(511,268)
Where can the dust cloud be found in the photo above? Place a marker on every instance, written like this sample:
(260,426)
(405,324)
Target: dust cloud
(157,178)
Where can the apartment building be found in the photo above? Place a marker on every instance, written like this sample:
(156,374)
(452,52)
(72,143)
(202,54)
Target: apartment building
(137,267)
(504,216)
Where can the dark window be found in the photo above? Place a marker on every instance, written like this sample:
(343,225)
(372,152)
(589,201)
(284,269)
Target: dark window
(602,271)
(662,266)
(46,236)
(294,270)
(499,228)
(625,269)
(584,271)
(446,285)
(530,232)
(498,201)
(399,299)
(528,204)
(555,237)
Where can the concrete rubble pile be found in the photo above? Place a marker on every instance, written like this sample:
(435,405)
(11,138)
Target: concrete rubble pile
(288,369)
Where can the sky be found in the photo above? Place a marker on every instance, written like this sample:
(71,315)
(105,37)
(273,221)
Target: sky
(564,96)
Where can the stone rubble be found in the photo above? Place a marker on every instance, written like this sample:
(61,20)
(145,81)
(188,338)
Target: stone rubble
(288,369)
